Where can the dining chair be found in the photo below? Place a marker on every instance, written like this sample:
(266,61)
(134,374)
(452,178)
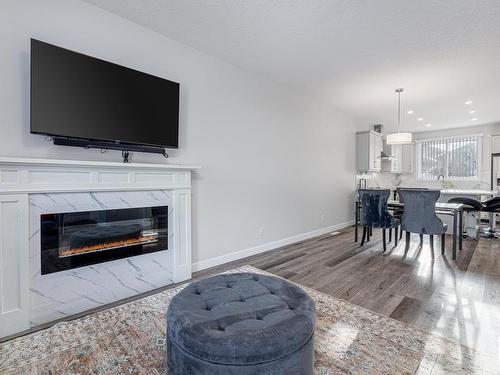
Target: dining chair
(374,214)
(419,216)
(398,212)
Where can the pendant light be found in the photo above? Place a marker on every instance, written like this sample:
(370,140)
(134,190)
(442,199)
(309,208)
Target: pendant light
(399,138)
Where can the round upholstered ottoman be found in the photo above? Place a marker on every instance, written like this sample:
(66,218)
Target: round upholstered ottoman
(241,323)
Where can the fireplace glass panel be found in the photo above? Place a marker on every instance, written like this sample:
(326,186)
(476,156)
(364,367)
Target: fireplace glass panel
(77,239)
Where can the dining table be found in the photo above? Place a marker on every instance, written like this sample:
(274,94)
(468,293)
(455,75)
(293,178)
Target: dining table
(453,209)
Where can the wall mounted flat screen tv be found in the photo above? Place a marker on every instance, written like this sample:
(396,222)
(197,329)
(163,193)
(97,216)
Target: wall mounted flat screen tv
(100,104)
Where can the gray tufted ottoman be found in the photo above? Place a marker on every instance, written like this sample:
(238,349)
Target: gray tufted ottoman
(241,324)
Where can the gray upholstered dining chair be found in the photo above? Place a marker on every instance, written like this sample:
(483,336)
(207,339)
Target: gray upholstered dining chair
(419,215)
(398,212)
(374,214)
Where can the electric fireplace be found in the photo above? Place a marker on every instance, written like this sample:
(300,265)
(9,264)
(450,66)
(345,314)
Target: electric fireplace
(77,239)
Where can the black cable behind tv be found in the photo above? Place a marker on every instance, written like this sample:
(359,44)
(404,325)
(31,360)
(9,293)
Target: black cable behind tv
(88,143)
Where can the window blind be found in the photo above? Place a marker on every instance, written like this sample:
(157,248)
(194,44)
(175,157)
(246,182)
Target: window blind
(456,158)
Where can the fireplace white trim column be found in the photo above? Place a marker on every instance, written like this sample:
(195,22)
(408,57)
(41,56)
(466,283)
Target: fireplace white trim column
(19,178)
(182,235)
(14,263)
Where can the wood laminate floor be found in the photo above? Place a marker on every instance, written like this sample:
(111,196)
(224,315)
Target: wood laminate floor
(456,299)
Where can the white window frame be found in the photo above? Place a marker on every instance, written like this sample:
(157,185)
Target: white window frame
(420,176)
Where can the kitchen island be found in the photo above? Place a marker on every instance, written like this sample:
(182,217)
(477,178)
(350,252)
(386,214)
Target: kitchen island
(457,192)
(470,221)
(468,192)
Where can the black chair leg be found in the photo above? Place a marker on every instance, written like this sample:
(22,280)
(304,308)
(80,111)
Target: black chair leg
(443,243)
(390,235)
(364,236)
(431,239)
(421,239)
(368,232)
(371,231)
(383,239)
(396,236)
(407,242)
(400,233)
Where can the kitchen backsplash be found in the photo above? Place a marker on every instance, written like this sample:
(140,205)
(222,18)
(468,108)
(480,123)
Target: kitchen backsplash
(389,180)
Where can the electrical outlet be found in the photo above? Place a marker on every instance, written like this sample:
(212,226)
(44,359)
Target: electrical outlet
(323,217)
(261,231)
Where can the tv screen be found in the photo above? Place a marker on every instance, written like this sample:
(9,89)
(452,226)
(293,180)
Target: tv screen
(78,96)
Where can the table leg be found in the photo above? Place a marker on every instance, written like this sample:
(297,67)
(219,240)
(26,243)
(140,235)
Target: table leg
(356,219)
(460,228)
(454,255)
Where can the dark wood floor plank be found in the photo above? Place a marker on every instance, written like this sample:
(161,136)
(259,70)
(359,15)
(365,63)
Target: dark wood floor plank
(407,310)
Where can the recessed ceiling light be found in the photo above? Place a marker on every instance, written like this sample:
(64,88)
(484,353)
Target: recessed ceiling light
(420,119)
(471,112)
(474,119)
(411,112)
(468,102)
(428,125)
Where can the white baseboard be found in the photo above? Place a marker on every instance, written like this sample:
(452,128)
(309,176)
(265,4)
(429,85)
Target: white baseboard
(212,262)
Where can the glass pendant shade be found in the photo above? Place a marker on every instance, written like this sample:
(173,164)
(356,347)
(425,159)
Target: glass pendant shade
(399,139)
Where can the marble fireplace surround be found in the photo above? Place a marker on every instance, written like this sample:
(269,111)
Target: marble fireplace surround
(30,187)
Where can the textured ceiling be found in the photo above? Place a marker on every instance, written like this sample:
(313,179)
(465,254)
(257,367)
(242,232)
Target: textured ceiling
(354,53)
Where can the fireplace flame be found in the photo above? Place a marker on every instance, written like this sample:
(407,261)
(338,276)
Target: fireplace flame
(108,245)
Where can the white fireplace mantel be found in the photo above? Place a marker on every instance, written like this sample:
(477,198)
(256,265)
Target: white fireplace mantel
(22,177)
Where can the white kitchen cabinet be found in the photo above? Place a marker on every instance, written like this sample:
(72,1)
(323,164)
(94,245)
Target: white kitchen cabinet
(408,159)
(396,153)
(403,158)
(368,151)
(495,144)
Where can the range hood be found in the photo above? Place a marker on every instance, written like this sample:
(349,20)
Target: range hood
(386,156)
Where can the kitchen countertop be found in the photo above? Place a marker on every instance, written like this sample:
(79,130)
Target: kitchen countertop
(461,191)
(469,191)
(452,191)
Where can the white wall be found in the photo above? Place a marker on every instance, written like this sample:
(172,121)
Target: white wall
(271,157)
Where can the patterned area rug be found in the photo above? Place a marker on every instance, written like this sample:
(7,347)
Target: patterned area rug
(130,339)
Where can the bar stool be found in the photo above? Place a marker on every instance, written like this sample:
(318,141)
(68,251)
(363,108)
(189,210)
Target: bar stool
(492,206)
(470,205)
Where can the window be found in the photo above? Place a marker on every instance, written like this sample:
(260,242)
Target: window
(456,158)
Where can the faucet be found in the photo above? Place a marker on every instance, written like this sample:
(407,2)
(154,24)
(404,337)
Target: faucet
(480,184)
(445,184)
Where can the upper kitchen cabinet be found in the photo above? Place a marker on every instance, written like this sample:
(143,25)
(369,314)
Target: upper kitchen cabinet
(495,144)
(368,151)
(402,158)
